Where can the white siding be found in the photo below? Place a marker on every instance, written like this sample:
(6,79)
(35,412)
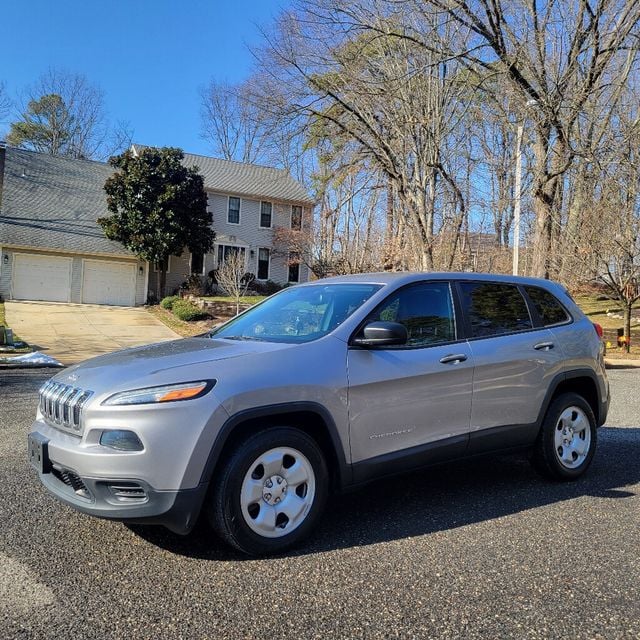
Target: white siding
(249,233)
(179,271)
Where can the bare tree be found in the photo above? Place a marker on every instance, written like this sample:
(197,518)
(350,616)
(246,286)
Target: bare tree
(345,236)
(555,55)
(232,122)
(395,101)
(5,102)
(62,114)
(231,277)
(120,138)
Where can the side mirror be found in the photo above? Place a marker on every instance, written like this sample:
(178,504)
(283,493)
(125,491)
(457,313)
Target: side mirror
(382,334)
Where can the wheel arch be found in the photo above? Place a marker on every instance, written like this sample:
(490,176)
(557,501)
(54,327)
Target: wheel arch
(310,417)
(584,382)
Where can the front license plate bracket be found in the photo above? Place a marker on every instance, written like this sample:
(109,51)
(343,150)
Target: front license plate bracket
(38,451)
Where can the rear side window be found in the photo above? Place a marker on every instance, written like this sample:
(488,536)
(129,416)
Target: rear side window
(548,307)
(494,309)
(425,309)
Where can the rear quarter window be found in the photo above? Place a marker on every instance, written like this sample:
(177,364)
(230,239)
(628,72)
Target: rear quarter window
(549,308)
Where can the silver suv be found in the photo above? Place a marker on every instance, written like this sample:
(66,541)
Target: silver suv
(321,387)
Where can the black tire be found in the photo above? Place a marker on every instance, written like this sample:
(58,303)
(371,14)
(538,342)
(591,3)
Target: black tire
(224,509)
(546,455)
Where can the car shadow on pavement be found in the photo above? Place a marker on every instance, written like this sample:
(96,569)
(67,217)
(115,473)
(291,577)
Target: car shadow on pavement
(440,498)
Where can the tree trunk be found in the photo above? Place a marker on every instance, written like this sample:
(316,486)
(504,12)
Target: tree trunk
(627,326)
(389,231)
(163,283)
(545,200)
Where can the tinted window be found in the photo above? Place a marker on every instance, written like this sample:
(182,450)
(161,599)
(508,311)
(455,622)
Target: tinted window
(298,314)
(426,310)
(494,309)
(549,309)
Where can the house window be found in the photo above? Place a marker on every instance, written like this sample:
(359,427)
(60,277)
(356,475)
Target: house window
(225,250)
(296,217)
(197,263)
(233,215)
(294,266)
(164,265)
(263,264)
(265,214)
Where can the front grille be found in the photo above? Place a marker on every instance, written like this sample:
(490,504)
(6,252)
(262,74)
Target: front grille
(72,480)
(61,404)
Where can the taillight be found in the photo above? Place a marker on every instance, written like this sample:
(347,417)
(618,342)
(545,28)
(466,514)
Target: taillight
(598,329)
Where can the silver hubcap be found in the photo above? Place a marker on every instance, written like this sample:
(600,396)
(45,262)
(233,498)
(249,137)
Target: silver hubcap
(572,437)
(277,492)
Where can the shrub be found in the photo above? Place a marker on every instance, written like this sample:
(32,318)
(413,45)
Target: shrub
(248,279)
(188,311)
(193,285)
(169,301)
(266,288)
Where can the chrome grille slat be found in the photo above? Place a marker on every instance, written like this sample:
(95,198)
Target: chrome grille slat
(56,402)
(52,392)
(64,409)
(61,405)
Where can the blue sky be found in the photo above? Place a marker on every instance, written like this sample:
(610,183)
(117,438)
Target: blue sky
(148,56)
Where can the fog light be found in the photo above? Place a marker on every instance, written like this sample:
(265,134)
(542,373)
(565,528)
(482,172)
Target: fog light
(121,440)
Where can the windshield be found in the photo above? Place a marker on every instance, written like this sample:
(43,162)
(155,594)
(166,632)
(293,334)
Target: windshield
(299,314)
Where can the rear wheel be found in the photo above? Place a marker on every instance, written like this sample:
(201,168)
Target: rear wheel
(269,492)
(567,441)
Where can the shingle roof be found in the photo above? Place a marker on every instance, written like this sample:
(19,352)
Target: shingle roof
(54,202)
(252,180)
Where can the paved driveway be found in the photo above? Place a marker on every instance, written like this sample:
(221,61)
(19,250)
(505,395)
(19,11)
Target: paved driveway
(483,550)
(74,332)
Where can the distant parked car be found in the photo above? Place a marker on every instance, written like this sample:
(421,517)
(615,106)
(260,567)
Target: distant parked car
(320,387)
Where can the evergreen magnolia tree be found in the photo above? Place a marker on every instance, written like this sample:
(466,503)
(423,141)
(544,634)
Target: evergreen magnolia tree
(158,207)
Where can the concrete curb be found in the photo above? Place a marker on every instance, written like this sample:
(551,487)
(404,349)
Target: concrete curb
(615,363)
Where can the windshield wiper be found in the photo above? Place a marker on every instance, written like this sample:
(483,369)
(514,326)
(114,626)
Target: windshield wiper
(254,338)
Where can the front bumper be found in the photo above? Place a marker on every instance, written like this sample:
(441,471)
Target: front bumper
(125,499)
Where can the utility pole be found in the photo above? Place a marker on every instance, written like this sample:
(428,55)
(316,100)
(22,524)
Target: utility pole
(517,194)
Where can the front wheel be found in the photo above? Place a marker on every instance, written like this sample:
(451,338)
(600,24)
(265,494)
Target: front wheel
(567,441)
(269,492)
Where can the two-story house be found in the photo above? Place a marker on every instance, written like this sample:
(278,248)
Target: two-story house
(248,202)
(52,249)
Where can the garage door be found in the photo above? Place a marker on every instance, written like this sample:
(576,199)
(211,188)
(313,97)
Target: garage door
(109,283)
(38,277)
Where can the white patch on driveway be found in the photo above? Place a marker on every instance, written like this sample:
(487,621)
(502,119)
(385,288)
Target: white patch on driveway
(35,359)
(20,590)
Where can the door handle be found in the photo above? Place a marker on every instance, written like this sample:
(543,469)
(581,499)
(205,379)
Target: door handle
(453,359)
(543,346)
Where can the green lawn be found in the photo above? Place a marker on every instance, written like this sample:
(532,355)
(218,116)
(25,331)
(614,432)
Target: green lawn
(597,310)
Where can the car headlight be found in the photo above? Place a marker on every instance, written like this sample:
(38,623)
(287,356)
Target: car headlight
(164,393)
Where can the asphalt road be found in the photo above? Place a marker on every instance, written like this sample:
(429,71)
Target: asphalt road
(482,550)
